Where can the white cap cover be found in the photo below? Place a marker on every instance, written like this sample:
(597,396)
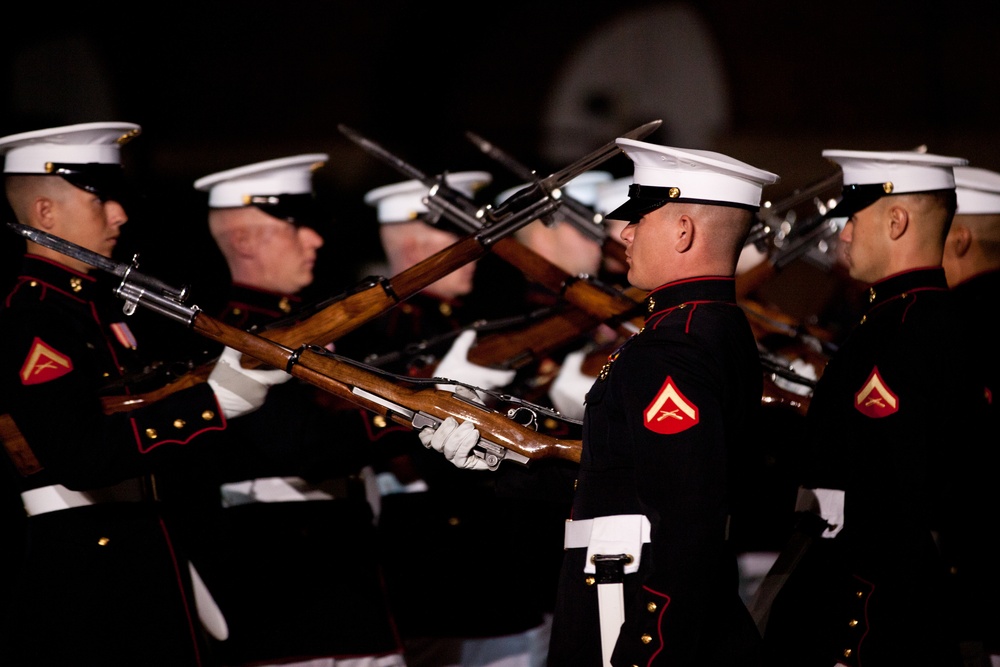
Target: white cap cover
(871,175)
(403,202)
(86,143)
(664,174)
(283,176)
(978,190)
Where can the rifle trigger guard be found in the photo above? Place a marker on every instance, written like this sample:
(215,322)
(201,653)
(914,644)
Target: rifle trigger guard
(520,411)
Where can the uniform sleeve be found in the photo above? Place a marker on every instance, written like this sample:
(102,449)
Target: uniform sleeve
(52,374)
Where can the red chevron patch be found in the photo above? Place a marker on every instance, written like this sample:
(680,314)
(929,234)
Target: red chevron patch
(875,399)
(43,364)
(670,412)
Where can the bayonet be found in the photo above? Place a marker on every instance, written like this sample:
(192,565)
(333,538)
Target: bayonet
(126,271)
(584,218)
(537,200)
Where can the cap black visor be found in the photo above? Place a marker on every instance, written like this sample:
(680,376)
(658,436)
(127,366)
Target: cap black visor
(299,209)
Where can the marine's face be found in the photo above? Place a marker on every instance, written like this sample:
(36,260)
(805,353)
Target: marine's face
(865,243)
(88,221)
(645,243)
(287,255)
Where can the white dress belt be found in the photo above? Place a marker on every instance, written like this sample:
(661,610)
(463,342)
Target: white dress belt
(616,534)
(620,535)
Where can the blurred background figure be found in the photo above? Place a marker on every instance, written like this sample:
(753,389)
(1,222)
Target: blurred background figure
(279,518)
(443,523)
(972,268)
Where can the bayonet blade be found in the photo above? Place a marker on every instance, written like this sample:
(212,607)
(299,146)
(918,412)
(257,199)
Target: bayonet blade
(377,150)
(591,160)
(120,269)
(506,159)
(69,249)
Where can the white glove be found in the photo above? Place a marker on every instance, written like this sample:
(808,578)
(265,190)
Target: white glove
(827,503)
(456,366)
(455,442)
(241,390)
(569,390)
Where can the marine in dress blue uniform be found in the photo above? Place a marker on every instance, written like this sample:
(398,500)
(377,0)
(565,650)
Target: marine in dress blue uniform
(279,522)
(895,442)
(661,433)
(648,577)
(100,582)
(972,267)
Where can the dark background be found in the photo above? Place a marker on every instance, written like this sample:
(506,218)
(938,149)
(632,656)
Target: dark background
(216,85)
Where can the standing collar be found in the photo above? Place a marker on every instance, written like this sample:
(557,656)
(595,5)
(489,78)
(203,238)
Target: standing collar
(60,276)
(702,288)
(927,278)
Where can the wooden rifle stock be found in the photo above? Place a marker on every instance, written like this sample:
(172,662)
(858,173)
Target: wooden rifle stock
(330,322)
(602,302)
(344,380)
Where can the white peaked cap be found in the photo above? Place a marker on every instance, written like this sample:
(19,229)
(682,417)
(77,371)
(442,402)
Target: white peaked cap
(978,190)
(283,176)
(582,188)
(612,194)
(86,143)
(664,174)
(871,175)
(404,202)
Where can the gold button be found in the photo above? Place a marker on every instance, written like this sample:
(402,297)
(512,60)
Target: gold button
(379,421)
(651,607)
(75,284)
(645,639)
(208,415)
(454,521)
(151,433)
(103,542)
(888,187)
(285,305)
(179,423)
(871,294)
(590,581)
(33,283)
(853,622)
(651,304)
(683,306)
(847,652)
(859,594)
(674,193)
(237,311)
(445,309)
